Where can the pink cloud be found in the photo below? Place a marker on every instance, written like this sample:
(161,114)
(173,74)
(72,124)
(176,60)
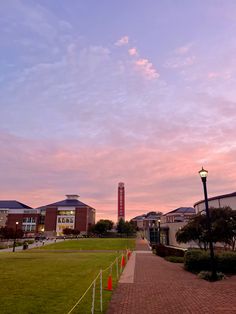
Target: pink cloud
(213,75)
(223,75)
(180,62)
(147,68)
(133,51)
(122,41)
(183,49)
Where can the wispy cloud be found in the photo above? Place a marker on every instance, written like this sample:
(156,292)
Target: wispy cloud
(182,50)
(179,62)
(133,52)
(122,41)
(147,68)
(225,75)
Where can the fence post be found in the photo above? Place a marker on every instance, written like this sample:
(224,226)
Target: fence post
(101,290)
(117,268)
(93,300)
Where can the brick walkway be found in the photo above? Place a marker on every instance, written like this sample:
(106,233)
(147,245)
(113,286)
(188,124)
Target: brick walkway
(163,287)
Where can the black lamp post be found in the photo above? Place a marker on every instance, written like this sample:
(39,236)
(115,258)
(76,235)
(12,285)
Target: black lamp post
(159,231)
(14,243)
(203,174)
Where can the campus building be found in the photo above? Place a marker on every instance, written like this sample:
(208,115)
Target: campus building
(49,219)
(12,212)
(69,213)
(143,222)
(218,201)
(171,222)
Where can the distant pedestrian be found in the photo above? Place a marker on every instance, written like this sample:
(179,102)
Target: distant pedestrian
(43,242)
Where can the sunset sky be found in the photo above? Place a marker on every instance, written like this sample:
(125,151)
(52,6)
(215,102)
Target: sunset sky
(93,93)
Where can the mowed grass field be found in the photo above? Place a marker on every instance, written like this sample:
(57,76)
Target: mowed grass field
(92,244)
(52,281)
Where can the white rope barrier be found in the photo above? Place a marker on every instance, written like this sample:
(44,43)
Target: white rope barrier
(93,284)
(93,300)
(117,268)
(82,296)
(101,290)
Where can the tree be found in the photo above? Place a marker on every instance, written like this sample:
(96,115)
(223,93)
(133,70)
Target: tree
(125,227)
(121,226)
(223,222)
(129,228)
(10,233)
(102,226)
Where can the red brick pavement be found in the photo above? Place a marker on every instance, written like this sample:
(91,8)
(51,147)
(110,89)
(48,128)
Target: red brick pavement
(166,288)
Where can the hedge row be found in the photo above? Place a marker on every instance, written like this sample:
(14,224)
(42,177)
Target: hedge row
(197,260)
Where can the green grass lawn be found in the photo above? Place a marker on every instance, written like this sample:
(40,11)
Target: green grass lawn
(51,282)
(92,244)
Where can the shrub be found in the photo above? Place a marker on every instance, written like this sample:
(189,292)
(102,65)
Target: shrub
(207,275)
(226,262)
(197,260)
(174,259)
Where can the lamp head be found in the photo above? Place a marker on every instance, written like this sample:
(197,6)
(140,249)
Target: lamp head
(17,222)
(203,173)
(159,220)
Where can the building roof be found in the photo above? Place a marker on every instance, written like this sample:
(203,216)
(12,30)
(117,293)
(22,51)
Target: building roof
(182,210)
(66,203)
(148,216)
(139,217)
(13,205)
(217,197)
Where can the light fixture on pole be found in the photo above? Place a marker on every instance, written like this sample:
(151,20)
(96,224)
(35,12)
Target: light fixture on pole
(14,243)
(203,174)
(159,231)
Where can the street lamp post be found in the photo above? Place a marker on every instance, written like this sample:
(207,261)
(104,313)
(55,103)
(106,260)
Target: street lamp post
(14,243)
(159,231)
(203,174)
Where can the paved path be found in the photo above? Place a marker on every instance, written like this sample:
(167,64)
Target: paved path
(33,245)
(163,287)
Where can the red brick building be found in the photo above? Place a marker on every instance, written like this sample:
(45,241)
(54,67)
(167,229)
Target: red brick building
(27,218)
(50,219)
(68,213)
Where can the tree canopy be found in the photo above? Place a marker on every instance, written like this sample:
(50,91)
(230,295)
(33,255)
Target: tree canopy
(102,226)
(125,227)
(10,233)
(223,222)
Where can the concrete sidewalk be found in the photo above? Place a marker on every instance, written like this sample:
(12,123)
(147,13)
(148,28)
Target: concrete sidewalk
(163,287)
(33,245)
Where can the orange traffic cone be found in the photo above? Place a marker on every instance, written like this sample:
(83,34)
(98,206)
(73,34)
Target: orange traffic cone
(123,261)
(109,283)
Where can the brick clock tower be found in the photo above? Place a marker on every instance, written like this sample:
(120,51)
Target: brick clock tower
(121,201)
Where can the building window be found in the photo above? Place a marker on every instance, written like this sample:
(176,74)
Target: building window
(65,212)
(64,222)
(29,220)
(28,228)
